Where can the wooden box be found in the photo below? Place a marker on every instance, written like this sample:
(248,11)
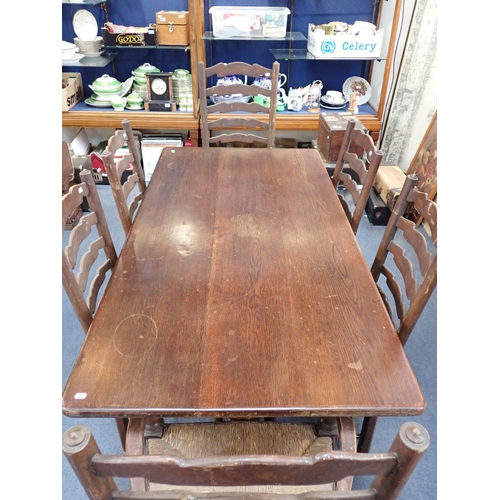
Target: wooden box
(172,27)
(388,179)
(377,211)
(331,129)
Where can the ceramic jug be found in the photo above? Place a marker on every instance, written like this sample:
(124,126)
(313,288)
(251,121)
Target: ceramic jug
(264,81)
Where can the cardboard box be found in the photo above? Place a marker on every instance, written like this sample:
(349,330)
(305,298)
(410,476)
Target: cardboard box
(172,27)
(331,130)
(324,46)
(129,39)
(388,178)
(72,90)
(262,22)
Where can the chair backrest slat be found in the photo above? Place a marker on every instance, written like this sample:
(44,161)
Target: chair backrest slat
(253,116)
(391,470)
(121,188)
(364,166)
(411,252)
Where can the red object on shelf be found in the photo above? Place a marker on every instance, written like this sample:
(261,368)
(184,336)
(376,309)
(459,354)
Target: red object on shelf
(97,163)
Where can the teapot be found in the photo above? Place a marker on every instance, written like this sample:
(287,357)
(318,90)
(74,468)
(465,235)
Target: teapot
(264,81)
(231,80)
(296,98)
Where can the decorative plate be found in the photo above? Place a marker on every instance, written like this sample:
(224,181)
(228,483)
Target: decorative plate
(98,104)
(359,85)
(85,25)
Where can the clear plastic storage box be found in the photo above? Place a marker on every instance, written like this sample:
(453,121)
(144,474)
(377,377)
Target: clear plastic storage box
(263,22)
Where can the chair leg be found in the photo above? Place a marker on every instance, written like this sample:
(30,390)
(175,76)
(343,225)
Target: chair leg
(347,442)
(366,434)
(121,425)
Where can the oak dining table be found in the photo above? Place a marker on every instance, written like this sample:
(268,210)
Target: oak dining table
(241,292)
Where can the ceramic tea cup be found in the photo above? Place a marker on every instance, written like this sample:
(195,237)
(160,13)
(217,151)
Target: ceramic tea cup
(334,96)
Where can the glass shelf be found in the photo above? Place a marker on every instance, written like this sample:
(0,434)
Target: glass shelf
(96,62)
(148,47)
(294,36)
(295,54)
(86,2)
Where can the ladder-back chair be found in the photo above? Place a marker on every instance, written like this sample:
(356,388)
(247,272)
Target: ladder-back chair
(246,464)
(135,184)
(85,270)
(411,275)
(78,266)
(364,167)
(252,116)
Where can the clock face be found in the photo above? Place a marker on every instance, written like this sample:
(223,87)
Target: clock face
(159,86)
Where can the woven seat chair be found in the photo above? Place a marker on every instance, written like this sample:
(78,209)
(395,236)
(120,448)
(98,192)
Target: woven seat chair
(243,460)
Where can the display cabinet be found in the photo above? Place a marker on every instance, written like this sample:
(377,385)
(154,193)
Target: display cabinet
(299,65)
(121,61)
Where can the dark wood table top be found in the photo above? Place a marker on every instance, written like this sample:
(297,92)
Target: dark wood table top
(241,291)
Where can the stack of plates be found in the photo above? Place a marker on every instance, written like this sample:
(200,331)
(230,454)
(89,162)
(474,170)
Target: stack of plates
(181,86)
(70,53)
(90,48)
(140,88)
(326,104)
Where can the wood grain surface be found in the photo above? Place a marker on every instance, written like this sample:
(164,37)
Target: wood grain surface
(241,291)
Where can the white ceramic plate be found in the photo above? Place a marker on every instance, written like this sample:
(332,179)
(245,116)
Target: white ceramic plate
(326,106)
(85,25)
(98,104)
(99,98)
(327,102)
(134,107)
(91,55)
(68,46)
(126,86)
(73,59)
(360,85)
